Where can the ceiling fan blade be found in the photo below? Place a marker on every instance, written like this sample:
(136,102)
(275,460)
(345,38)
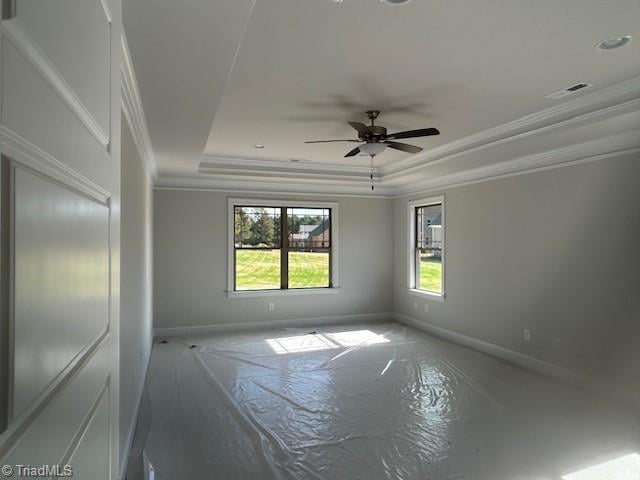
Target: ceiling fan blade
(353,152)
(362,129)
(329,141)
(403,147)
(423,132)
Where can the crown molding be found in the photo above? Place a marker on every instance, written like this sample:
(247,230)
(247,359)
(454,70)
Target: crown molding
(595,150)
(559,158)
(210,161)
(133,110)
(605,103)
(230,190)
(242,184)
(107,11)
(289,173)
(292,176)
(238,182)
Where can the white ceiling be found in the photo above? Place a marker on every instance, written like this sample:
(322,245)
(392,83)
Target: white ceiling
(218,77)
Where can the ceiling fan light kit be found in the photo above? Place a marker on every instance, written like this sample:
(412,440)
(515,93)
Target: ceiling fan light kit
(613,43)
(372,149)
(395,2)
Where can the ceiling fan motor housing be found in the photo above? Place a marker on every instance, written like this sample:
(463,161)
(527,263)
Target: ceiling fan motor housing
(377,131)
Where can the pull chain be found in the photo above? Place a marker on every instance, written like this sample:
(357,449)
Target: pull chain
(371,174)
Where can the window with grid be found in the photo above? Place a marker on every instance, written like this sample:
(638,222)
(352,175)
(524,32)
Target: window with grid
(281,247)
(428,247)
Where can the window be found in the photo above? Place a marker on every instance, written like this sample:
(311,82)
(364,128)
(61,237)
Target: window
(281,246)
(258,247)
(426,246)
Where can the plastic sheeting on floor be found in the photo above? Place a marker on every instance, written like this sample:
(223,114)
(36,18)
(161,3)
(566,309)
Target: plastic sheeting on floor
(367,402)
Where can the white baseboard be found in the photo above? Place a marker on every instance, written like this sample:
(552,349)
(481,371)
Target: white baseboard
(542,367)
(292,322)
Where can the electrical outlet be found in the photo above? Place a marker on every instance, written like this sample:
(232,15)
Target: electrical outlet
(527,335)
(426,308)
(272,306)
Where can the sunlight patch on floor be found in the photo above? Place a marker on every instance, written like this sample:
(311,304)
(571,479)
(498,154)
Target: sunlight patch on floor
(626,467)
(323,341)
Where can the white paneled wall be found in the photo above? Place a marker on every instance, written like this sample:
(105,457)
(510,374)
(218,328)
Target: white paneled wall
(61,281)
(73,36)
(60,233)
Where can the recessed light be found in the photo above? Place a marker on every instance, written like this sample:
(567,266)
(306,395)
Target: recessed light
(612,43)
(258,145)
(395,2)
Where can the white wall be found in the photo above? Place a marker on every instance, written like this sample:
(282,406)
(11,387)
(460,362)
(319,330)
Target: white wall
(190,273)
(136,322)
(557,252)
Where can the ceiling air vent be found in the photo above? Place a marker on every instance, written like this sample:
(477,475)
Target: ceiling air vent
(568,91)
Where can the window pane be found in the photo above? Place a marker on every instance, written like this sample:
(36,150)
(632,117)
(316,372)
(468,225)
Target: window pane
(429,246)
(308,269)
(257,269)
(257,227)
(309,228)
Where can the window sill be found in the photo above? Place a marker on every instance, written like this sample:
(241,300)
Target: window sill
(282,293)
(426,294)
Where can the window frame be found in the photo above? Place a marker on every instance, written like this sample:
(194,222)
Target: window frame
(334,284)
(412,271)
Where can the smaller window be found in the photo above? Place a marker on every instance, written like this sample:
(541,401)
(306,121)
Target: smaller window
(426,255)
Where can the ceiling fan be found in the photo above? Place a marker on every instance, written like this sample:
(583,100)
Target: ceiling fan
(375,139)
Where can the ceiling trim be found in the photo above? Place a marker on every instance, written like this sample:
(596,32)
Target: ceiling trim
(133,110)
(608,101)
(600,149)
(209,161)
(107,11)
(264,192)
(596,115)
(290,176)
(275,185)
(595,150)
